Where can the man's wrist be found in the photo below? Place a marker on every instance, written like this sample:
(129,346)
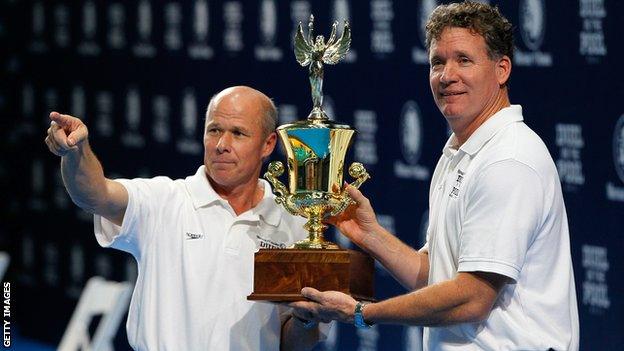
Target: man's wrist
(358,316)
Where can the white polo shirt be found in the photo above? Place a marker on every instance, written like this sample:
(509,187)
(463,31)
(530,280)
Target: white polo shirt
(195,259)
(496,206)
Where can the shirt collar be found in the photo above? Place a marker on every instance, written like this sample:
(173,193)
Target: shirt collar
(485,132)
(202,194)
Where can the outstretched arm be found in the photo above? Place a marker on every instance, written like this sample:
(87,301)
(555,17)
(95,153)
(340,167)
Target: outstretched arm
(359,223)
(83,175)
(467,298)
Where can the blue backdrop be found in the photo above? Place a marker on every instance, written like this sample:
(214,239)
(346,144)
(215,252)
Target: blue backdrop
(140,74)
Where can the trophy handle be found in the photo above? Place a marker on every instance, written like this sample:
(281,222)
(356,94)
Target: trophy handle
(276,169)
(357,171)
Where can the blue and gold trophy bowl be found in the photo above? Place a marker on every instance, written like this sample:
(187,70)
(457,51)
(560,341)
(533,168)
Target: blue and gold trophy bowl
(315,150)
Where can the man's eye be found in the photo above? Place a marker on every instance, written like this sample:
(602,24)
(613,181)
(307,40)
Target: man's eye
(464,59)
(212,131)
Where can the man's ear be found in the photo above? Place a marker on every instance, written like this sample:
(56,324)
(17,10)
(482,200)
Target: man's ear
(269,144)
(503,70)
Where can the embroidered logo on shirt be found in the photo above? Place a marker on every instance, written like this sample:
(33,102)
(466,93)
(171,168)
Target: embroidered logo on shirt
(193,236)
(458,182)
(266,243)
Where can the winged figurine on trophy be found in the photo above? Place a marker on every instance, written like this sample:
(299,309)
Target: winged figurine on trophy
(316,52)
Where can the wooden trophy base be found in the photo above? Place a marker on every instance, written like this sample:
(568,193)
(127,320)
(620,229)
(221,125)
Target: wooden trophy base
(280,274)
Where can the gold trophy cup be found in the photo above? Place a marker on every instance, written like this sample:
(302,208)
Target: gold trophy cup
(316,150)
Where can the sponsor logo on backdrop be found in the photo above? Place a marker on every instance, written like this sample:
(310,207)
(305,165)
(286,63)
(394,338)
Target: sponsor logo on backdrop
(233,31)
(144,47)
(569,140)
(382,38)
(595,294)
(532,26)
(88,45)
(615,191)
(591,38)
(419,53)
(104,114)
(50,268)
(266,50)
(173,26)
(116,21)
(412,338)
(61,29)
(366,144)
(131,136)
(38,44)
(188,144)
(341,12)
(368,338)
(410,136)
(199,48)
(161,130)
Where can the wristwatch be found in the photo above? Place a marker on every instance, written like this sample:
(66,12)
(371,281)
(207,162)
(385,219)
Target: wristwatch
(358,319)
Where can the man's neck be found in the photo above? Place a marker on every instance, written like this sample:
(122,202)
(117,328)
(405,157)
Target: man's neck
(242,198)
(501,101)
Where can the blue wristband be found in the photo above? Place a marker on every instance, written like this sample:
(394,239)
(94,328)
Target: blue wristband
(358,318)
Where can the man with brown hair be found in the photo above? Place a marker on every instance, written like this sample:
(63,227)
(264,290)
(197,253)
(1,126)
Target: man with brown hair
(194,239)
(496,271)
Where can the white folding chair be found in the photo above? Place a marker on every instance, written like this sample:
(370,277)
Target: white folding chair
(4,263)
(110,299)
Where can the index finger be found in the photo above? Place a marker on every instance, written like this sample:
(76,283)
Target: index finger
(61,119)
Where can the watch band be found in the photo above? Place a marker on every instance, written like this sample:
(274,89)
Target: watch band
(358,318)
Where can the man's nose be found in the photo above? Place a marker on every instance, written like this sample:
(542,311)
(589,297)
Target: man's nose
(449,74)
(225,142)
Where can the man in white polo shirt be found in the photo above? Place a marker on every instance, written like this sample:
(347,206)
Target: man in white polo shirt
(496,271)
(194,239)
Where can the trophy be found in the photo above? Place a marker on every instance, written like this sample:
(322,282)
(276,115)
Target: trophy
(315,150)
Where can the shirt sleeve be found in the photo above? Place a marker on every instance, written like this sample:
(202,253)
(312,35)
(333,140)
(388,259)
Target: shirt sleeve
(502,217)
(143,195)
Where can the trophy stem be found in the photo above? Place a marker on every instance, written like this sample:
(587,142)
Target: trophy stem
(315,240)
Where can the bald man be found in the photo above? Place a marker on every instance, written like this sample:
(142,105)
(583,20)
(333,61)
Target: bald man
(194,239)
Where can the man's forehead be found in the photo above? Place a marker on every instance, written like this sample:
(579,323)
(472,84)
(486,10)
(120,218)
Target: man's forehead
(462,39)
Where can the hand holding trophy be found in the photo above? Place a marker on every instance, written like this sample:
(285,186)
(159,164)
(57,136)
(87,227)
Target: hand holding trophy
(315,150)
